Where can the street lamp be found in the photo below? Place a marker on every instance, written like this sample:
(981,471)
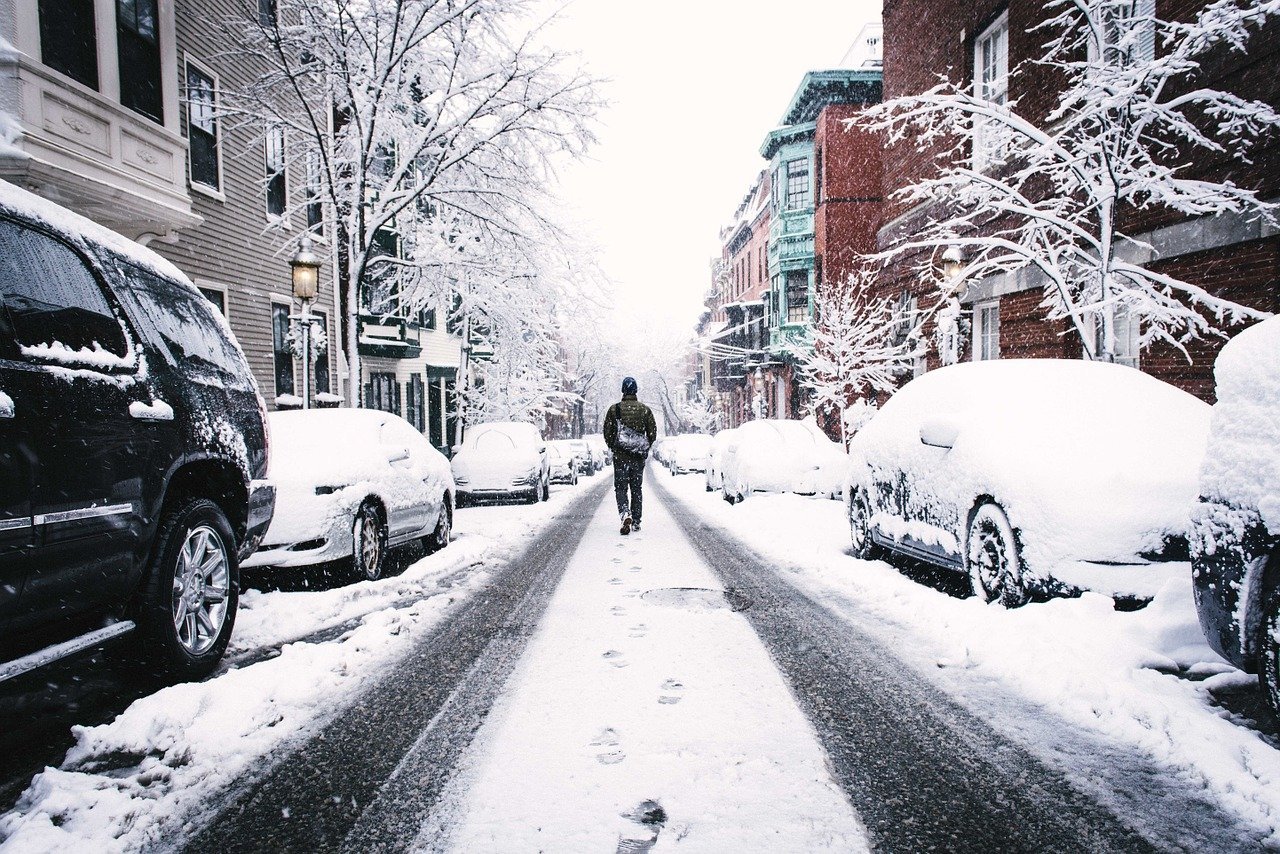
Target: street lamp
(952,267)
(306,286)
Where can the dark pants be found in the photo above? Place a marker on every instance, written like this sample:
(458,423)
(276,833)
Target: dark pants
(628,474)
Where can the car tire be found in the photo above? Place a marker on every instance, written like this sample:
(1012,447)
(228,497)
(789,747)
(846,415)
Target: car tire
(368,543)
(187,606)
(1269,650)
(863,547)
(992,558)
(546,490)
(439,538)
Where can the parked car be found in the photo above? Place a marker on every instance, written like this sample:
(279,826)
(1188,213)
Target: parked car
(133,449)
(719,444)
(1033,476)
(1235,543)
(502,461)
(776,455)
(351,484)
(688,453)
(582,451)
(600,451)
(563,463)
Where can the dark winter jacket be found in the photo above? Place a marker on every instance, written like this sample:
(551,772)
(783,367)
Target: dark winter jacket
(629,428)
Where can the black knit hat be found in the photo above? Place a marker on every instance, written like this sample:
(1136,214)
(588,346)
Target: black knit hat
(629,385)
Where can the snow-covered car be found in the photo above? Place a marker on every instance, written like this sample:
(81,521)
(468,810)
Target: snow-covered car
(688,453)
(777,455)
(502,460)
(658,450)
(719,445)
(1032,476)
(351,484)
(132,450)
(582,450)
(599,450)
(1235,542)
(563,463)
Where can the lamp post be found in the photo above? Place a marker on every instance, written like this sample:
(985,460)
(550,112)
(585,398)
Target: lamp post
(306,285)
(952,267)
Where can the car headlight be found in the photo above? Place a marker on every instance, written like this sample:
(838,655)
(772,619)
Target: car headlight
(327,490)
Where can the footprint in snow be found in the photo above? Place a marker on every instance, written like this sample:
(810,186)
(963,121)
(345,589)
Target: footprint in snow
(672,692)
(639,630)
(616,560)
(615,658)
(635,568)
(610,752)
(615,580)
(618,611)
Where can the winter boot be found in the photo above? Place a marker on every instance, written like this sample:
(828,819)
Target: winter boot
(626,524)
(635,526)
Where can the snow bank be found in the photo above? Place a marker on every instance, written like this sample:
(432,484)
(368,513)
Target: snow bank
(1242,467)
(1079,663)
(134,783)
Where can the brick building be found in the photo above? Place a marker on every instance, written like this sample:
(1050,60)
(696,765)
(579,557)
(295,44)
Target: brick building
(1228,256)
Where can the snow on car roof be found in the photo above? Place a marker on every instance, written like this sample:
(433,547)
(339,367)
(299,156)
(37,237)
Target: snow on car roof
(83,231)
(520,431)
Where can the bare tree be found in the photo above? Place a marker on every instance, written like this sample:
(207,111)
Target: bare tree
(1128,124)
(428,130)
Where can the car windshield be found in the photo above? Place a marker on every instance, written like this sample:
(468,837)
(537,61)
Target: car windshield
(493,440)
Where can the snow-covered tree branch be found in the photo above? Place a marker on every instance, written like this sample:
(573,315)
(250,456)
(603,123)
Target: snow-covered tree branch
(1015,191)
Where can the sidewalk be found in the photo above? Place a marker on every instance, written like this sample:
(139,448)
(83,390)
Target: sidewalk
(639,698)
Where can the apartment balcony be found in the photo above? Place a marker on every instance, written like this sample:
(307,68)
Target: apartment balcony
(86,152)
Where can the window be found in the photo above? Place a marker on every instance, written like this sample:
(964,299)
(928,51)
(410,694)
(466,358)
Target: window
(202,127)
(69,39)
(315,185)
(1125,328)
(797,184)
(986,331)
(817,177)
(797,296)
(320,372)
(382,392)
(1128,33)
(50,297)
(138,43)
(217,297)
(281,351)
(277,189)
(267,13)
(415,400)
(991,84)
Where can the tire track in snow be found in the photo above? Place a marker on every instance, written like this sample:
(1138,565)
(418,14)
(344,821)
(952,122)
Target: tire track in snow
(923,773)
(429,706)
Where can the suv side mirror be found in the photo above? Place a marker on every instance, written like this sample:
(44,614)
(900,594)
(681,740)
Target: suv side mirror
(939,432)
(397,454)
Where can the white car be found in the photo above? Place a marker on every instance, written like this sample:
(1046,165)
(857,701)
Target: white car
(502,460)
(688,453)
(582,450)
(777,455)
(599,450)
(350,484)
(1033,476)
(562,458)
(719,445)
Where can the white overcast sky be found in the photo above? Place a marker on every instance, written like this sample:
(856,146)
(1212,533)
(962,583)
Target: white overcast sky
(694,86)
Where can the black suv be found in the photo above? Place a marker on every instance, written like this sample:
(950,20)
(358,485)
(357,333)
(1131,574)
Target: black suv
(132,449)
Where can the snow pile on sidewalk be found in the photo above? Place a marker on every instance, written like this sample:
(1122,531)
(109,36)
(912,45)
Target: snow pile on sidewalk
(125,785)
(1078,660)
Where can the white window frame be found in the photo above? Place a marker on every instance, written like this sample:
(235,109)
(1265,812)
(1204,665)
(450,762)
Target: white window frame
(982,332)
(287,302)
(218,193)
(991,84)
(221,288)
(1126,329)
(1144,11)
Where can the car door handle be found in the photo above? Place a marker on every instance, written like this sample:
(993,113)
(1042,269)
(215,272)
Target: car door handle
(7,409)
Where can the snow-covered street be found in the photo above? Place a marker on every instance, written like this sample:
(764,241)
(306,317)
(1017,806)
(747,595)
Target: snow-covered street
(545,684)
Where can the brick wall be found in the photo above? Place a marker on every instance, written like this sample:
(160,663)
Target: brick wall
(850,204)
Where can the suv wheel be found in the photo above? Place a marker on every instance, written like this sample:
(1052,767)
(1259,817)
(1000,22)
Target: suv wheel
(992,559)
(546,489)
(188,605)
(1269,650)
(860,526)
(369,543)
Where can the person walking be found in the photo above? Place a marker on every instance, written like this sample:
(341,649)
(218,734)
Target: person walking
(629,431)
